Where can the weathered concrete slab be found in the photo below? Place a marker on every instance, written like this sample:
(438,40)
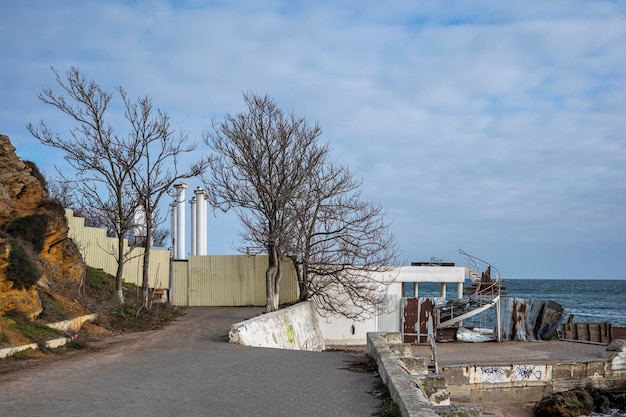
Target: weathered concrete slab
(294,327)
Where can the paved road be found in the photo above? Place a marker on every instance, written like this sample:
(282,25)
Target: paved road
(189,369)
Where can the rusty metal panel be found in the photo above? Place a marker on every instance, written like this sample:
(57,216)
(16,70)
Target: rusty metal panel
(588,332)
(417,319)
(409,319)
(527,319)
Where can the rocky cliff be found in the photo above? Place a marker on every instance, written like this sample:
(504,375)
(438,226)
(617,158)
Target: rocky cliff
(35,251)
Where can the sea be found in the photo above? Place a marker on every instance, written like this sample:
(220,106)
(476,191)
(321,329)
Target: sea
(588,301)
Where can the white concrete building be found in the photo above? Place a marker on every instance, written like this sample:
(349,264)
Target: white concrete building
(338,330)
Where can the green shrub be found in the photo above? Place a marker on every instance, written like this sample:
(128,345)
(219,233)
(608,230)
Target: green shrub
(31,229)
(52,309)
(77,343)
(99,280)
(36,332)
(4,338)
(22,270)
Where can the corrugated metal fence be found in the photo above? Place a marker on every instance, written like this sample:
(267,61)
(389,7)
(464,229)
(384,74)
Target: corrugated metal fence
(229,280)
(218,280)
(97,250)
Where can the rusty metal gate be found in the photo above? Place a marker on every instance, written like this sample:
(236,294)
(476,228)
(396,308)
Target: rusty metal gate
(418,319)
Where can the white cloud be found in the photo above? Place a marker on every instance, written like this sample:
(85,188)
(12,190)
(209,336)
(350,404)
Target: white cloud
(475,123)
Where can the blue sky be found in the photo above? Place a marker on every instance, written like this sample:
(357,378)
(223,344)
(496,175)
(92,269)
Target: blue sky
(494,127)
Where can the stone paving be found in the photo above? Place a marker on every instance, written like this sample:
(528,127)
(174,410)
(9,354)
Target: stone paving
(189,369)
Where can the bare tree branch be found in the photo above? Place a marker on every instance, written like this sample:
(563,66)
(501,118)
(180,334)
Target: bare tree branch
(339,241)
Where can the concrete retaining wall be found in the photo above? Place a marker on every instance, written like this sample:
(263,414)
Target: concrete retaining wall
(530,382)
(416,392)
(294,327)
(72,325)
(68,326)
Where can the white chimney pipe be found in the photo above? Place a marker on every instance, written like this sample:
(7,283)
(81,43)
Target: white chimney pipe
(201,221)
(173,226)
(206,224)
(180,220)
(194,234)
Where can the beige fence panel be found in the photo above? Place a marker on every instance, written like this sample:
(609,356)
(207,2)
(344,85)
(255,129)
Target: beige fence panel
(288,284)
(179,294)
(228,280)
(97,250)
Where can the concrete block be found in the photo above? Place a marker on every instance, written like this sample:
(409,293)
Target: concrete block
(401,349)
(615,353)
(574,370)
(434,388)
(617,345)
(11,350)
(391,338)
(457,411)
(562,371)
(595,368)
(55,343)
(414,366)
(456,375)
(508,395)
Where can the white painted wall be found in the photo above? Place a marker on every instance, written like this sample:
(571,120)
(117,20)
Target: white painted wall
(338,330)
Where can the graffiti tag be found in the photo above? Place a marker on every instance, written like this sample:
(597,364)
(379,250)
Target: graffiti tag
(491,371)
(528,372)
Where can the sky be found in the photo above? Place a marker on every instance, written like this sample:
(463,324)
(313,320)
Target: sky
(493,127)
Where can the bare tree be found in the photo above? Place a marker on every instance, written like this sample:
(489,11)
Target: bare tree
(262,159)
(159,236)
(294,202)
(102,159)
(65,191)
(157,170)
(339,241)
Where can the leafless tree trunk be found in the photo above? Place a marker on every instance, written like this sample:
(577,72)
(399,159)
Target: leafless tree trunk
(157,170)
(261,160)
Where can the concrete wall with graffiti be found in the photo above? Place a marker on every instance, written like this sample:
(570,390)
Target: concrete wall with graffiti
(294,327)
(529,382)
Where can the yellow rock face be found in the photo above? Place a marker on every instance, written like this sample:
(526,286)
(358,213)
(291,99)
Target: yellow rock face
(22,194)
